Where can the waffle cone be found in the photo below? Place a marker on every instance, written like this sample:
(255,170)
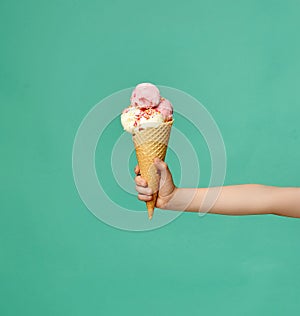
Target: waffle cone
(150,143)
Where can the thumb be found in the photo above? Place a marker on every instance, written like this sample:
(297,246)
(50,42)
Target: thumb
(163,169)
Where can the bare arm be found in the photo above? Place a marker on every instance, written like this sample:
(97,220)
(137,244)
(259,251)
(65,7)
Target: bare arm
(244,199)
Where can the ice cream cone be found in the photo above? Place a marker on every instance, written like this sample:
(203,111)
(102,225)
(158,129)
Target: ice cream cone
(150,143)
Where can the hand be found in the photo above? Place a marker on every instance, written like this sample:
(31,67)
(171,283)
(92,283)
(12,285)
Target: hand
(166,185)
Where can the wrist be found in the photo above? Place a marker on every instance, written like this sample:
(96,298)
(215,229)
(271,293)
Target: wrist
(171,200)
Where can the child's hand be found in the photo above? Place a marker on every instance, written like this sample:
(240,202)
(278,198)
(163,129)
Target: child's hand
(166,185)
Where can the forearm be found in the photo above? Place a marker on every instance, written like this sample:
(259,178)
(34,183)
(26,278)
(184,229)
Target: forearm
(243,199)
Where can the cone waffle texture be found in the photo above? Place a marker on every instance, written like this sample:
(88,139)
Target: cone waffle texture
(150,143)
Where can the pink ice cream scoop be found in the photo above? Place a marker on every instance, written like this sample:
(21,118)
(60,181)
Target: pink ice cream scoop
(166,109)
(145,95)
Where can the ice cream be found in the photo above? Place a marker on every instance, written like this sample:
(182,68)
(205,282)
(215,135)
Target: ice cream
(147,109)
(145,95)
(149,119)
(134,119)
(166,109)
(128,118)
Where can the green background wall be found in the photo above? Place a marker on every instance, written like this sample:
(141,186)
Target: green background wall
(58,59)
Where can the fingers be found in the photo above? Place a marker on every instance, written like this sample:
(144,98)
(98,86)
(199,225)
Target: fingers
(145,198)
(166,185)
(143,190)
(140,181)
(137,169)
(144,193)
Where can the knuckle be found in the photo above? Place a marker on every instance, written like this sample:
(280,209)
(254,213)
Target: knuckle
(149,191)
(138,179)
(142,197)
(137,188)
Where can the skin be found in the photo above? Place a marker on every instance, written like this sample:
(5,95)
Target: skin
(244,199)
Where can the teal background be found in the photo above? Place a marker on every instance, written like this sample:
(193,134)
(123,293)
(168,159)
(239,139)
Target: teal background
(58,59)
